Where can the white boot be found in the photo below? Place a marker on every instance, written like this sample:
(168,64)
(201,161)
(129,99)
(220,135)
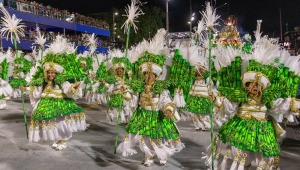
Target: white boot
(62,145)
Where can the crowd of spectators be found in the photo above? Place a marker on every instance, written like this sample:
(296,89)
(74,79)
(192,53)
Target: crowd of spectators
(48,11)
(30,35)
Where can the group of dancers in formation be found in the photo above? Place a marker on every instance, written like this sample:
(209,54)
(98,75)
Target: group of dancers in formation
(246,90)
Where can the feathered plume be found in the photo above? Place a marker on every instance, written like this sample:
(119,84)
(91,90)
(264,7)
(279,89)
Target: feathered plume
(191,54)
(60,45)
(91,41)
(11,25)
(39,39)
(137,51)
(71,48)
(116,53)
(257,33)
(8,55)
(132,13)
(210,17)
(112,54)
(201,27)
(266,50)
(157,44)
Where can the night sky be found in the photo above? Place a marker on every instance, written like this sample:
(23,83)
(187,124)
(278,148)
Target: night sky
(247,11)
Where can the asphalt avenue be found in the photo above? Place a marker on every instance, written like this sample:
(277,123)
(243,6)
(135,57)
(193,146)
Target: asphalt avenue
(93,149)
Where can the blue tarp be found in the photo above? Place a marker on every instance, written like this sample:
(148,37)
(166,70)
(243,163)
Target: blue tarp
(23,45)
(81,49)
(84,28)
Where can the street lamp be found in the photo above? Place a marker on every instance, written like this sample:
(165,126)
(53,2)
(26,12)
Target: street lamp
(191,23)
(167,21)
(114,28)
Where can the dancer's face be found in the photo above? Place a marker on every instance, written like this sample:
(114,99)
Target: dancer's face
(200,72)
(82,65)
(120,71)
(51,75)
(150,77)
(253,88)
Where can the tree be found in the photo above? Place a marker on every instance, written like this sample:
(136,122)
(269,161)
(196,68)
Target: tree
(150,22)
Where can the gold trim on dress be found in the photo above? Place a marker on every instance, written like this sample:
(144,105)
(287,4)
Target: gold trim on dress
(247,116)
(293,106)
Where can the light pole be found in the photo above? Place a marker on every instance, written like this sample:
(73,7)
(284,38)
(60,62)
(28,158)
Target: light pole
(167,16)
(191,19)
(167,21)
(114,28)
(191,24)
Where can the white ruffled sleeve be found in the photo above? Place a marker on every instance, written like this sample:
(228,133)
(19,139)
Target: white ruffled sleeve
(68,89)
(127,95)
(95,86)
(35,94)
(109,87)
(179,98)
(6,88)
(224,108)
(285,108)
(2,82)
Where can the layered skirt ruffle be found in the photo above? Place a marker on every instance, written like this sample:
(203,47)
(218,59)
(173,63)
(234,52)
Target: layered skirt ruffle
(5,93)
(57,119)
(154,134)
(48,108)
(251,135)
(244,141)
(114,103)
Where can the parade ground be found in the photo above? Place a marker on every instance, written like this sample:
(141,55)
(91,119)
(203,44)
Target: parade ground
(94,148)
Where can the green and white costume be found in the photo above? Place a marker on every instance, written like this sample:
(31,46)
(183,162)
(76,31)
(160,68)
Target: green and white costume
(197,104)
(113,85)
(87,63)
(252,132)
(55,112)
(149,128)
(5,88)
(22,67)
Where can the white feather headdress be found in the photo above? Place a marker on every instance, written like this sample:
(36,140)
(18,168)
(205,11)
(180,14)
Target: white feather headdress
(61,45)
(157,44)
(113,54)
(191,54)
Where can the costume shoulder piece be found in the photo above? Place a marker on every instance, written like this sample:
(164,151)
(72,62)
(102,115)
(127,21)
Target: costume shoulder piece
(5,59)
(23,63)
(3,69)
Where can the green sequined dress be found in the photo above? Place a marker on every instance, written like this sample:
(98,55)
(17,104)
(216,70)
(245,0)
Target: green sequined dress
(154,132)
(55,112)
(253,129)
(197,105)
(115,99)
